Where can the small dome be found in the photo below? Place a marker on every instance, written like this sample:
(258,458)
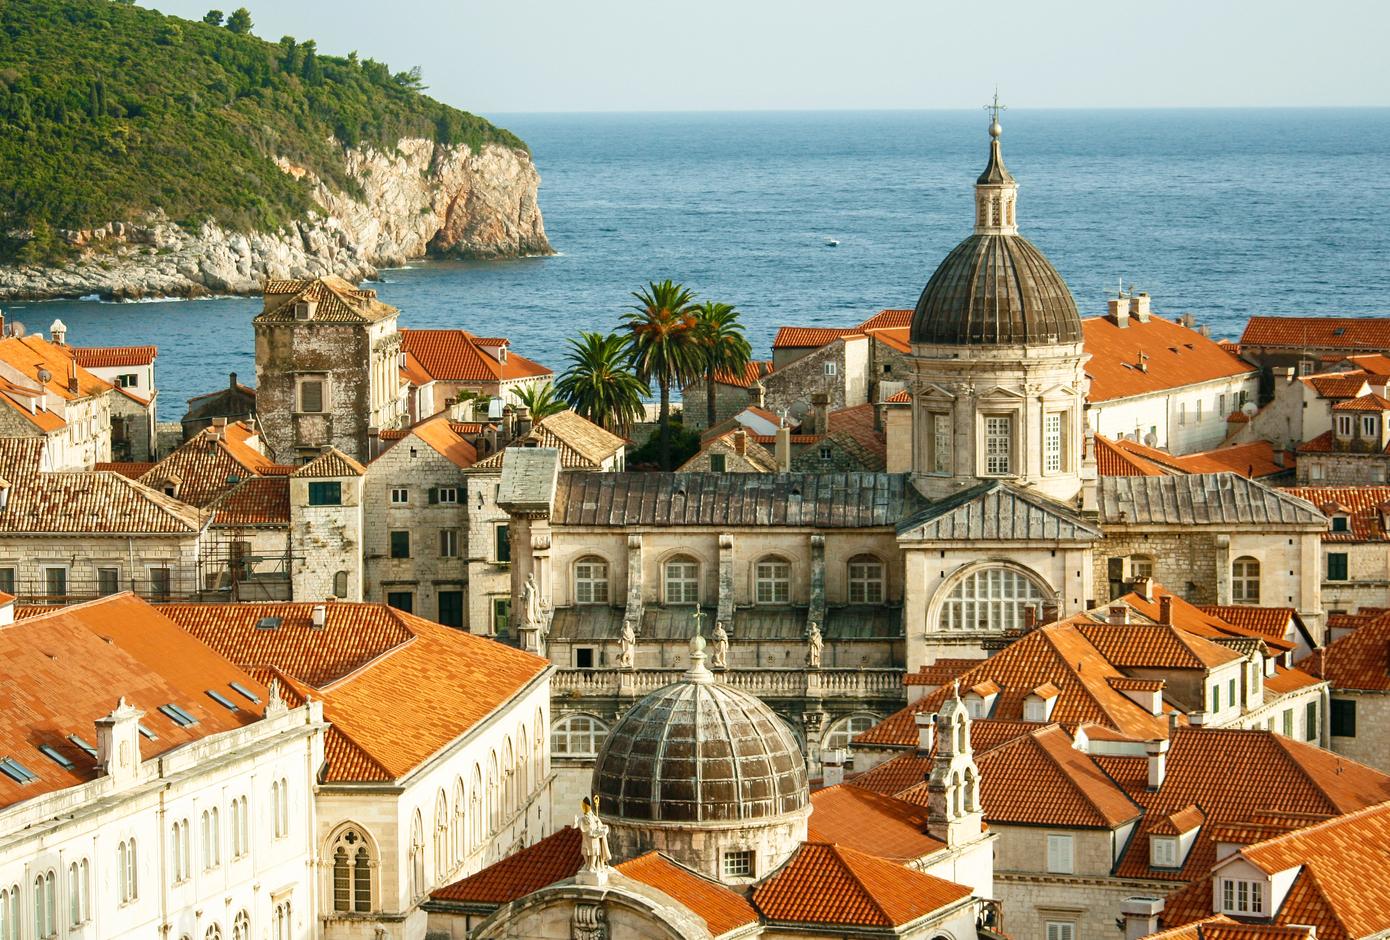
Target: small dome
(996,290)
(699,751)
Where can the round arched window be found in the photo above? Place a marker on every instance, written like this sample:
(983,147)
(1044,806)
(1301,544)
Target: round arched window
(990,600)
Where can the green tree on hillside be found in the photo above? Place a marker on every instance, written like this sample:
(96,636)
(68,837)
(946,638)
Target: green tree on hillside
(661,331)
(213,17)
(240,21)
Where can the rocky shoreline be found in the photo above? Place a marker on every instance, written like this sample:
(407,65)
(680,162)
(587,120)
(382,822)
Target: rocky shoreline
(420,199)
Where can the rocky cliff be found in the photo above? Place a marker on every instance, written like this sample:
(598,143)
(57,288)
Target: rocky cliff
(422,198)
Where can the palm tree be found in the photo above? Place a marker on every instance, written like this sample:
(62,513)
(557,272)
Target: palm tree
(540,400)
(661,327)
(722,346)
(599,383)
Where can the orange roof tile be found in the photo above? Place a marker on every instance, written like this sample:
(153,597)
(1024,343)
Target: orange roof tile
(1301,333)
(1221,927)
(1113,461)
(1358,661)
(1361,504)
(903,772)
(891,319)
(858,424)
(254,501)
(582,444)
(1127,684)
(832,884)
(552,859)
(331,463)
(1272,622)
(30,354)
(1374,364)
(110,357)
(1254,460)
(753,371)
(1172,356)
(895,337)
(130,469)
(1337,384)
(1188,618)
(722,909)
(940,672)
(871,822)
(1155,646)
(1177,823)
(209,464)
(1368,402)
(898,398)
(458,356)
(338,301)
(809,337)
(439,435)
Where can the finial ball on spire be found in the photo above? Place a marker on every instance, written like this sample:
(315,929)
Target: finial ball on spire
(995,130)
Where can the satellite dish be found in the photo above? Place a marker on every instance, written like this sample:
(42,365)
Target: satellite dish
(1249,409)
(18,329)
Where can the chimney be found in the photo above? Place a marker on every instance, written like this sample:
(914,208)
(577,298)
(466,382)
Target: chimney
(72,375)
(118,743)
(319,616)
(926,733)
(219,428)
(757,393)
(1140,915)
(1144,587)
(820,405)
(1165,610)
(231,381)
(1157,752)
(1030,618)
(508,424)
(490,440)
(741,442)
(833,767)
(1119,311)
(1172,723)
(59,330)
(1118,613)
(784,449)
(1139,306)
(523,421)
(1278,457)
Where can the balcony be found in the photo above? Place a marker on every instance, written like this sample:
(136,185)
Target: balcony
(764,683)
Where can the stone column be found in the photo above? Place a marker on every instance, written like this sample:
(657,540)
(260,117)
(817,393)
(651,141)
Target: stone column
(1222,560)
(635,604)
(724,611)
(816,611)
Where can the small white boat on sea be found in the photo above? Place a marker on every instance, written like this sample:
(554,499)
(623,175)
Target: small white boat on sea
(832,243)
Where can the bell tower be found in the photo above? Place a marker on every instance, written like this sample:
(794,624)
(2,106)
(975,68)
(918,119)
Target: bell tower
(996,192)
(954,814)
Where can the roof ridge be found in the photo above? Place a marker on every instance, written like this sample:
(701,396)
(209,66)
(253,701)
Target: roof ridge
(1085,794)
(1283,744)
(838,851)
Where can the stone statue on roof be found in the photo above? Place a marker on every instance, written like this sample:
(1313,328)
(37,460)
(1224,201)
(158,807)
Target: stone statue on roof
(531,600)
(814,645)
(627,646)
(721,646)
(593,845)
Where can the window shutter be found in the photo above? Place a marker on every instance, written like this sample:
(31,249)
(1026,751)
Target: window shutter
(434,495)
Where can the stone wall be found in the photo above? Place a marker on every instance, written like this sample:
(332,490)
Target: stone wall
(1341,469)
(729,400)
(790,387)
(81,556)
(1372,729)
(326,540)
(1368,576)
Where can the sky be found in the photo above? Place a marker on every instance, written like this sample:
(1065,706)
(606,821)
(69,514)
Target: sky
(658,55)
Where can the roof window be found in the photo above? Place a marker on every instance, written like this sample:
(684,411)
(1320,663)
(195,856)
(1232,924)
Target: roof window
(147,733)
(86,748)
(269,623)
(57,756)
(16,771)
(177,715)
(245,692)
(222,700)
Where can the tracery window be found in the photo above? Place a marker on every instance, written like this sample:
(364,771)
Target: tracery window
(442,856)
(989,600)
(417,857)
(241,926)
(352,872)
(45,906)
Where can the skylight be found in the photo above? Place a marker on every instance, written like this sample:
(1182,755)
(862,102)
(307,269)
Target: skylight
(177,715)
(269,623)
(245,692)
(16,771)
(57,756)
(77,739)
(222,700)
(148,733)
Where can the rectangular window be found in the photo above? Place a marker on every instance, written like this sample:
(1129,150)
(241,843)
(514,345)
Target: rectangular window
(451,608)
(1061,930)
(400,495)
(56,583)
(7,580)
(128,380)
(401,600)
(1287,720)
(1197,413)
(1052,443)
(1221,404)
(311,396)
(1344,425)
(1310,721)
(998,443)
(1163,852)
(1182,413)
(400,543)
(1231,693)
(1059,854)
(108,581)
(501,615)
(1216,698)
(448,494)
(502,544)
(831,368)
(584,657)
(159,584)
(1340,523)
(326,494)
(738,864)
(1343,718)
(1336,566)
(718,463)
(448,543)
(1370,426)
(941,443)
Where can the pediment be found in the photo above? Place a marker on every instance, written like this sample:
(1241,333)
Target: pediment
(1060,392)
(933,392)
(999,392)
(995,511)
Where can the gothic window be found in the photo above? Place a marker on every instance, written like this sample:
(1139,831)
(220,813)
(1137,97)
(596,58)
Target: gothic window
(682,580)
(999,440)
(494,802)
(181,856)
(577,736)
(241,829)
(441,837)
(127,871)
(523,779)
(282,924)
(773,581)
(476,820)
(508,771)
(865,580)
(45,913)
(352,872)
(241,926)
(1245,580)
(940,442)
(538,747)
(460,824)
(214,932)
(591,581)
(9,913)
(280,800)
(989,600)
(212,839)
(417,857)
(79,894)
(842,732)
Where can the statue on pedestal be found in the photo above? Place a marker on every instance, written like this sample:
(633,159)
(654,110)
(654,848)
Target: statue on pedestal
(531,601)
(627,646)
(814,645)
(594,839)
(721,646)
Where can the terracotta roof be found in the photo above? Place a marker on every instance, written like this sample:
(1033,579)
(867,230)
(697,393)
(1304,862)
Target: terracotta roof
(754,370)
(1115,461)
(810,337)
(458,356)
(1177,823)
(209,464)
(1221,927)
(1171,355)
(756,454)
(371,665)
(857,423)
(890,319)
(831,884)
(66,667)
(106,357)
(896,337)
(903,772)
(1256,459)
(721,909)
(331,463)
(898,398)
(130,469)
(412,371)
(1289,680)
(28,354)
(29,403)
(582,444)
(1368,402)
(438,434)
(338,301)
(1272,622)
(871,822)
(940,672)
(1234,776)
(1367,333)
(1199,623)
(1155,646)
(254,501)
(1374,364)
(1361,504)
(1358,661)
(1337,384)
(552,859)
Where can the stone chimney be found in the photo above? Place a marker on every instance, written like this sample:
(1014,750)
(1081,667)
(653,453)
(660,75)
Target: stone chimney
(118,743)
(926,732)
(833,767)
(59,331)
(1118,613)
(508,425)
(784,449)
(1157,753)
(741,442)
(1119,311)
(231,381)
(1144,587)
(1140,915)
(1165,610)
(72,373)
(319,616)
(1139,306)
(820,406)
(219,428)
(523,421)
(757,394)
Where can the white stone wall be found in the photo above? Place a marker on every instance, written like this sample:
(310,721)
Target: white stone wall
(1184,420)
(488,578)
(1368,576)
(1372,729)
(81,556)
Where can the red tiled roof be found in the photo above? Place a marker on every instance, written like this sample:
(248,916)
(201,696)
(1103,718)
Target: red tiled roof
(1113,461)
(898,398)
(107,357)
(1255,459)
(331,463)
(857,423)
(582,444)
(209,464)
(1337,384)
(439,435)
(456,356)
(1154,646)
(1361,504)
(722,909)
(1198,622)
(810,337)
(828,884)
(754,370)
(130,469)
(1272,622)
(1175,356)
(1177,823)
(1221,927)
(338,301)
(1358,661)
(1367,333)
(894,777)
(552,859)
(254,501)
(871,822)
(896,337)
(28,354)
(1368,402)
(1373,364)
(890,319)
(940,672)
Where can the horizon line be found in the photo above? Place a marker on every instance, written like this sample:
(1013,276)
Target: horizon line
(958,109)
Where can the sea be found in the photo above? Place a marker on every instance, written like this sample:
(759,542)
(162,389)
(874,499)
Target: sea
(1218,213)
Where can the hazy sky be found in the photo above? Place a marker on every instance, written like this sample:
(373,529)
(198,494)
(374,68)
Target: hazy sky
(625,55)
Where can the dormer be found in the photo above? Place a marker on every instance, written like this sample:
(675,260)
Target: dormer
(118,743)
(980,699)
(171,485)
(1146,693)
(1039,703)
(305,309)
(1172,837)
(1242,889)
(493,346)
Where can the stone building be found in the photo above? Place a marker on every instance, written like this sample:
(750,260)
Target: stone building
(45,394)
(1359,711)
(453,364)
(327,368)
(1354,557)
(233,404)
(327,528)
(134,410)
(1308,344)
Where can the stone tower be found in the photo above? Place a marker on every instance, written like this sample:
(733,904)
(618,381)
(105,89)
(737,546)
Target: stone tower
(954,814)
(997,385)
(327,368)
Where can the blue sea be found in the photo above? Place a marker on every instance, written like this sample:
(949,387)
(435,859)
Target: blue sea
(1220,213)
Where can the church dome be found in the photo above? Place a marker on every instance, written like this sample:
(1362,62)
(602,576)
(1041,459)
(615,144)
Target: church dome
(699,751)
(995,288)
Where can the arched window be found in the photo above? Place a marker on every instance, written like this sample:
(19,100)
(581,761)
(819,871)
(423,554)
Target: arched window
(477,822)
(494,802)
(842,732)
(1141,566)
(417,857)
(79,894)
(280,806)
(577,736)
(523,779)
(681,577)
(214,932)
(181,854)
(989,600)
(340,585)
(283,924)
(591,580)
(460,833)
(1245,580)
(441,837)
(865,580)
(9,913)
(772,580)
(127,871)
(45,906)
(241,831)
(538,747)
(508,780)
(352,872)
(212,839)
(241,926)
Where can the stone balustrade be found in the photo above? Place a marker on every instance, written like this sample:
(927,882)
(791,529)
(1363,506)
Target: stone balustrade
(764,683)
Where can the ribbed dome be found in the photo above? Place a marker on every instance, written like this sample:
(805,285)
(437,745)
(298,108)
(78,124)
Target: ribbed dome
(698,751)
(996,290)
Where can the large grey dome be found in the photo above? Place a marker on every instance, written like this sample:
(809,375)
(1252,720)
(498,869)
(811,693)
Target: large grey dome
(698,751)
